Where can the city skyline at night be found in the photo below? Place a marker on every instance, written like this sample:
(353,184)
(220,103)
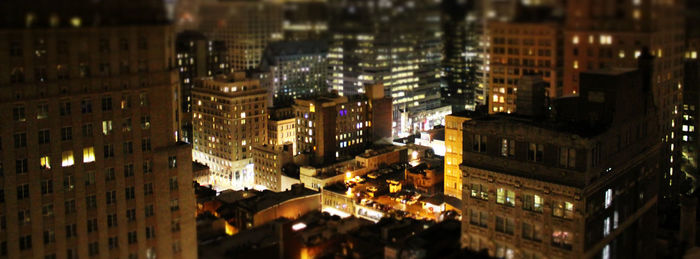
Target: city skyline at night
(349,129)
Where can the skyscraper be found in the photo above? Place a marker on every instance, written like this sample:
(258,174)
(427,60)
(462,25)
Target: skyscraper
(394,43)
(293,69)
(305,20)
(90,165)
(459,71)
(196,57)
(245,26)
(602,34)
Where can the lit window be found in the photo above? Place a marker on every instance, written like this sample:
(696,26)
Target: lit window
(107,127)
(67,158)
(45,162)
(504,196)
(76,21)
(88,155)
(574,40)
(606,252)
(608,198)
(606,226)
(575,64)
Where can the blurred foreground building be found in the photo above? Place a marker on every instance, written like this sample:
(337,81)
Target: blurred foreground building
(90,165)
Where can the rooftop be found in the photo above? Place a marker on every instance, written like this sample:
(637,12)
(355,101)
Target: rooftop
(267,198)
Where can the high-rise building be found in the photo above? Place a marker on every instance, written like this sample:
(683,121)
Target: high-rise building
(330,128)
(90,165)
(229,117)
(459,71)
(691,97)
(580,183)
(305,20)
(601,34)
(246,27)
(518,49)
(196,57)
(397,44)
(293,69)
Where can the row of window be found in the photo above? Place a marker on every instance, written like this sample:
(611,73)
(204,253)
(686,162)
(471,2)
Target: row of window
(535,151)
(530,202)
(19,113)
(529,231)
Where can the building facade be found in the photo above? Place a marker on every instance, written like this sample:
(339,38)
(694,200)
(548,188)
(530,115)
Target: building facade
(268,162)
(246,27)
(90,165)
(584,185)
(522,49)
(331,128)
(281,127)
(229,117)
(290,70)
(196,57)
(602,34)
(397,44)
(453,153)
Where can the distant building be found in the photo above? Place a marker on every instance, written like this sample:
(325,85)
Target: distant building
(268,164)
(246,27)
(330,128)
(305,20)
(397,45)
(200,173)
(425,178)
(617,36)
(434,139)
(382,156)
(316,178)
(293,69)
(520,49)
(229,117)
(281,128)
(197,57)
(560,185)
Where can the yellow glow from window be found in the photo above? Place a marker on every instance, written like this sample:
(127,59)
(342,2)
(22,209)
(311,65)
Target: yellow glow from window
(67,158)
(88,155)
(76,21)
(45,162)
